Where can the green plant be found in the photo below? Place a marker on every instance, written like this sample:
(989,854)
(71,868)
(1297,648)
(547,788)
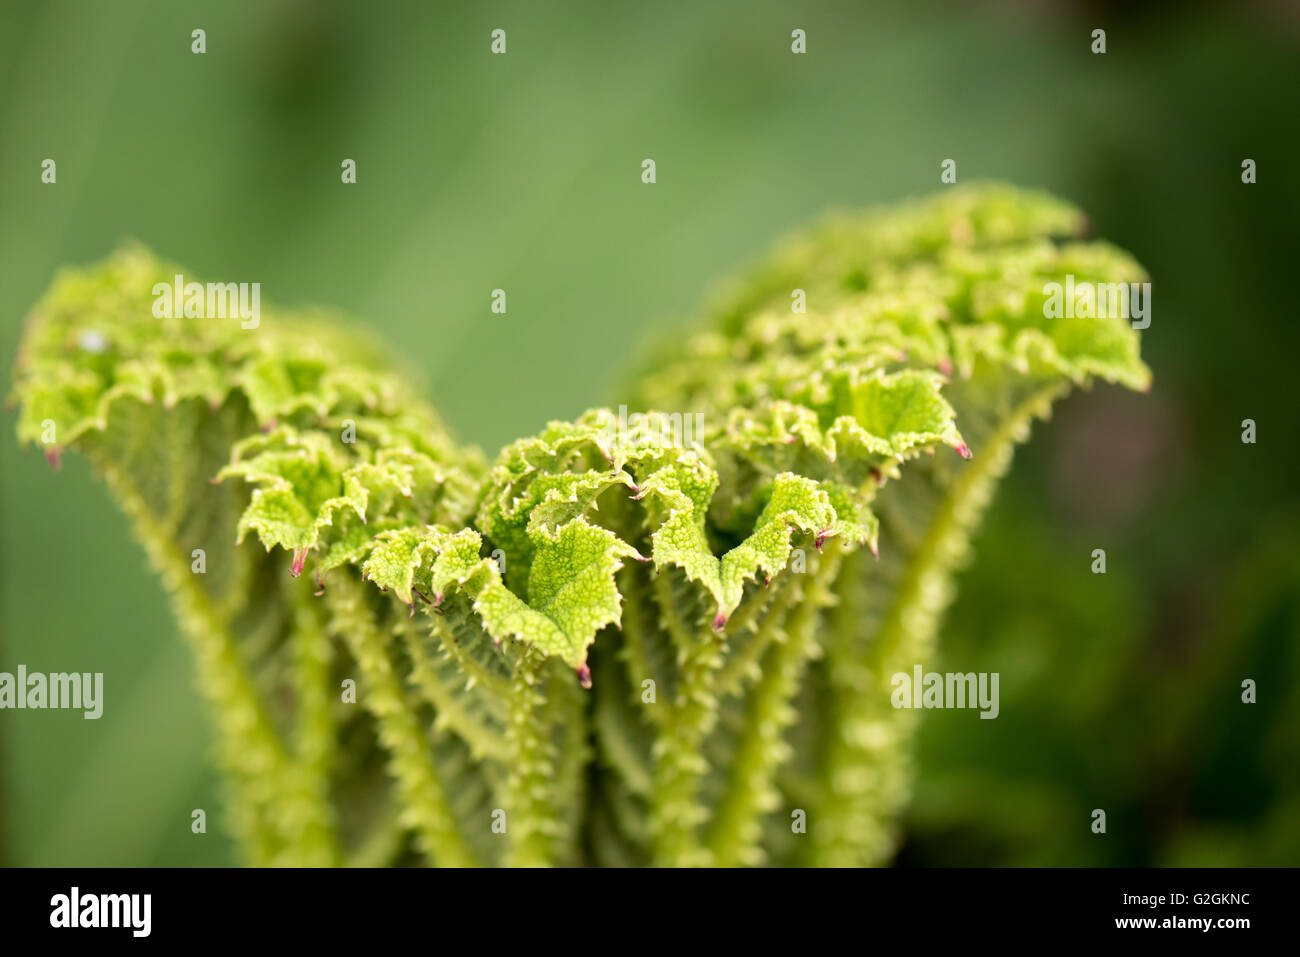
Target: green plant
(721,601)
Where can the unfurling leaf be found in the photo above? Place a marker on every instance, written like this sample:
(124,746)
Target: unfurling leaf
(503,622)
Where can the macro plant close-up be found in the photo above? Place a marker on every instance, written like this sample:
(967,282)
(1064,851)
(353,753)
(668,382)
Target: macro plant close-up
(622,622)
(594,436)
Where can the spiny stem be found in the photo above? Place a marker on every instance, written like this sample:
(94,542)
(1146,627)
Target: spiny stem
(496,686)
(633,648)
(863,780)
(735,833)
(424,803)
(567,712)
(617,747)
(248,747)
(531,815)
(676,811)
(315,729)
(483,741)
(742,662)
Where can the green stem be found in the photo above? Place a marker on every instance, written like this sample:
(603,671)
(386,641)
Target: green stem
(864,777)
(483,741)
(424,803)
(496,686)
(249,750)
(531,814)
(675,809)
(743,663)
(314,733)
(633,648)
(736,831)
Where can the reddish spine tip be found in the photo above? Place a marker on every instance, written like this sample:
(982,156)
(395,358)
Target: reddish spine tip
(945,365)
(584,675)
(963,450)
(875,551)
(719,621)
(299,559)
(52,455)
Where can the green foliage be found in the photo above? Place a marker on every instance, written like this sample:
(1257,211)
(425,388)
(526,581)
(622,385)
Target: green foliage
(713,595)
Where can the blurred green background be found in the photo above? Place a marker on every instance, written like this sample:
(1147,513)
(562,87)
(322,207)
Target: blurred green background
(522,171)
